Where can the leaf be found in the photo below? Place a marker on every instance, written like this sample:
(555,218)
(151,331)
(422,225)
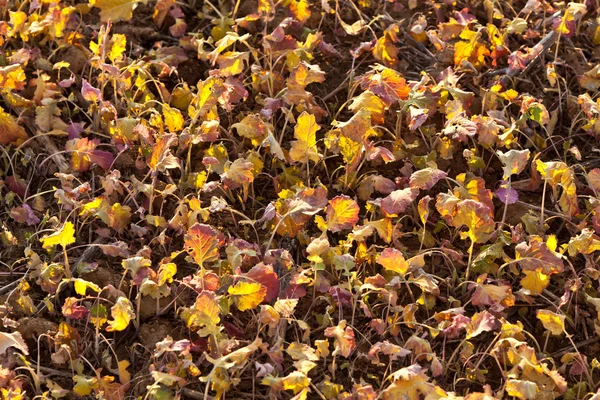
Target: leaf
(63,237)
(254,128)
(585,243)
(537,256)
(344,339)
(98,315)
(84,154)
(300,9)
(470,50)
(514,161)
(555,323)
(398,201)
(173,118)
(304,148)
(385,49)
(12,340)
(490,295)
(388,349)
(506,194)
(161,157)
(118,44)
(426,178)
(301,351)
(10,130)
(82,285)
(475,216)
(72,309)
(89,92)
(204,314)
(264,274)
(480,322)
(122,313)
(239,173)
(24,214)
(386,83)
(115,10)
(369,101)
(408,383)
(521,389)
(393,260)
(203,242)
(342,213)
(247,295)
(535,281)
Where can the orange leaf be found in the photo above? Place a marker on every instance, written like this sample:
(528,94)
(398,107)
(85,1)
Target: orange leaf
(393,260)
(342,213)
(203,242)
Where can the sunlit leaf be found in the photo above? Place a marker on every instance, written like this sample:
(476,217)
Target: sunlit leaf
(342,213)
(535,281)
(393,260)
(12,340)
(344,339)
(204,314)
(10,130)
(203,243)
(304,148)
(63,237)
(115,10)
(247,295)
(555,323)
(84,154)
(514,161)
(426,178)
(173,118)
(521,389)
(122,313)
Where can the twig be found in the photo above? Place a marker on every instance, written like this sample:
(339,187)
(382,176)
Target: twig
(193,394)
(567,349)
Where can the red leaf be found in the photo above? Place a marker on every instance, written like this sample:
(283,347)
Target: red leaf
(264,274)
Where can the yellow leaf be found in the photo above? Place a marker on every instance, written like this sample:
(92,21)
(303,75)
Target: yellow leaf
(122,313)
(12,77)
(393,260)
(370,102)
(84,386)
(64,237)
(204,314)
(124,375)
(118,44)
(166,272)
(555,323)
(115,10)
(300,9)
(342,213)
(10,130)
(247,295)
(470,50)
(81,286)
(296,382)
(173,118)
(475,216)
(535,281)
(305,147)
(521,389)
(385,49)
(301,351)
